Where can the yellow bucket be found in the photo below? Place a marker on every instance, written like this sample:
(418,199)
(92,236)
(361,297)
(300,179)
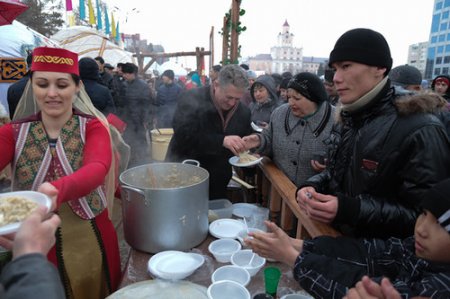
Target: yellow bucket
(160,143)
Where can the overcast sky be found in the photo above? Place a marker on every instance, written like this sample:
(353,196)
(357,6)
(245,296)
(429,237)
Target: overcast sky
(181,25)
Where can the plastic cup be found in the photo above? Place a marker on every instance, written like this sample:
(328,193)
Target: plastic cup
(258,217)
(271,278)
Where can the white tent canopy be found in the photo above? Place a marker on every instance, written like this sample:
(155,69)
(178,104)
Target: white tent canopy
(87,42)
(16,41)
(170,65)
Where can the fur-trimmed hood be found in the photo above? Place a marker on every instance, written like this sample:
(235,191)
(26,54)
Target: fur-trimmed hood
(412,103)
(426,102)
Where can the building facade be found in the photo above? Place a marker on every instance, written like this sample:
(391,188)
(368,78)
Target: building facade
(417,56)
(438,53)
(286,57)
(312,64)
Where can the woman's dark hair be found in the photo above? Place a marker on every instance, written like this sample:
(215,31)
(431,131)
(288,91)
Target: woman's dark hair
(75,78)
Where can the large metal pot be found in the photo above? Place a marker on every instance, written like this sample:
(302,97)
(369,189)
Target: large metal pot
(165,206)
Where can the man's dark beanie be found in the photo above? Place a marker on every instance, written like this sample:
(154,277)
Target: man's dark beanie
(88,69)
(284,83)
(310,86)
(364,46)
(405,75)
(437,201)
(129,68)
(169,74)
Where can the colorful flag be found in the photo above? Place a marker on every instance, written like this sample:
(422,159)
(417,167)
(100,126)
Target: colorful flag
(68,5)
(82,10)
(117,33)
(91,13)
(107,25)
(113,27)
(70,18)
(99,17)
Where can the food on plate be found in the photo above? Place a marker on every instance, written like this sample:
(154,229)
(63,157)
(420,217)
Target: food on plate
(245,157)
(15,209)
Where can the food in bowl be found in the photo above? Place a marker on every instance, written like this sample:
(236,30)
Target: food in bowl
(15,209)
(246,157)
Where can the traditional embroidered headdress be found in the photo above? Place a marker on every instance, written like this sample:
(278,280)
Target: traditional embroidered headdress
(55,60)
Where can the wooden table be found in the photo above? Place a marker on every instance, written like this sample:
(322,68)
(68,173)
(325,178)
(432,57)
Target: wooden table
(136,270)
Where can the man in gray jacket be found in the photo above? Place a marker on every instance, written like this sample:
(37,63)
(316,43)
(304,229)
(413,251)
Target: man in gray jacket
(30,274)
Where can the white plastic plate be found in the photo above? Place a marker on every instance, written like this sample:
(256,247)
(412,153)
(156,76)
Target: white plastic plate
(37,197)
(226,228)
(235,162)
(256,127)
(174,265)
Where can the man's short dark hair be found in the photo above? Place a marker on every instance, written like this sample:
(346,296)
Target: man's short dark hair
(100,59)
(216,68)
(244,66)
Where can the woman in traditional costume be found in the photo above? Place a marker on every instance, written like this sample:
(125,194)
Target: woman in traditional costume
(61,146)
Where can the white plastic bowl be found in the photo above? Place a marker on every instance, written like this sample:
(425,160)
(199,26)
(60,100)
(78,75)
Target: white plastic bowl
(242,259)
(223,249)
(39,198)
(227,289)
(233,273)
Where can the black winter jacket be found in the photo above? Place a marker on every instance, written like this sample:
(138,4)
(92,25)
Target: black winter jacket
(199,135)
(327,267)
(381,161)
(100,96)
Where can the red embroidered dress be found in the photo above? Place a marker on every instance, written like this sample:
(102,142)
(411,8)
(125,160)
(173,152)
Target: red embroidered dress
(76,165)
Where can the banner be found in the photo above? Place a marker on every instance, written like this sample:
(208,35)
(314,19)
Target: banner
(91,13)
(68,5)
(70,18)
(107,25)
(99,17)
(82,10)
(117,33)
(113,26)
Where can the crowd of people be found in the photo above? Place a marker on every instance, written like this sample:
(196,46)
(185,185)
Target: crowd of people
(367,147)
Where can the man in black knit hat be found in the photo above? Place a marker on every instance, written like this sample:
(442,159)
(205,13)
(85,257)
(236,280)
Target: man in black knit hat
(384,153)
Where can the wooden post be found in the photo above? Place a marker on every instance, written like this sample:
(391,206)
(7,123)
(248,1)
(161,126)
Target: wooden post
(235,8)
(211,47)
(198,59)
(202,66)
(226,36)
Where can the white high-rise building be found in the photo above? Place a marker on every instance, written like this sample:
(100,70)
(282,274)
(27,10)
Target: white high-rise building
(417,56)
(286,57)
